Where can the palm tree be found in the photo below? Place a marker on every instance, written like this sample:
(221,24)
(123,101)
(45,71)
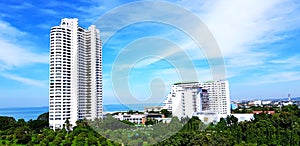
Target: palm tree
(68,125)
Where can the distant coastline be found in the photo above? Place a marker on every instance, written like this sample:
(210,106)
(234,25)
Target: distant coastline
(28,113)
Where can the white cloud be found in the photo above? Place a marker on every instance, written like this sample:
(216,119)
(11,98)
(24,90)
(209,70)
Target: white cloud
(241,26)
(49,11)
(44,26)
(146,62)
(293,61)
(24,5)
(203,74)
(24,80)
(12,55)
(249,59)
(276,77)
(8,31)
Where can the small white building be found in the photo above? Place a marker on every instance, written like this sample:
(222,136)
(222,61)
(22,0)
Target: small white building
(266,102)
(244,117)
(208,117)
(286,103)
(257,102)
(133,118)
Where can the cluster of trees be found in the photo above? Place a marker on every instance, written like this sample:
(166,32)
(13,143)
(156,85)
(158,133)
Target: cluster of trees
(36,132)
(281,128)
(126,134)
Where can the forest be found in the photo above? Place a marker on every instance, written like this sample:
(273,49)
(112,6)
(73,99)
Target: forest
(281,128)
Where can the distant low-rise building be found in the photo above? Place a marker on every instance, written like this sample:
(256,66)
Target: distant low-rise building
(266,102)
(133,118)
(266,112)
(153,108)
(244,117)
(208,117)
(212,117)
(140,118)
(257,102)
(286,103)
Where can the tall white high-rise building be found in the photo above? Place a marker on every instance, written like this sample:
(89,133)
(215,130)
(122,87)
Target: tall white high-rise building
(75,90)
(219,97)
(185,99)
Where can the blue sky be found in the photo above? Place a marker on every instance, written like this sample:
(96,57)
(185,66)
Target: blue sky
(258,40)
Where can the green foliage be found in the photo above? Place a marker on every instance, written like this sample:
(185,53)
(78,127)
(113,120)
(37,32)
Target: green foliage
(282,128)
(35,132)
(127,122)
(194,124)
(37,125)
(22,135)
(44,117)
(150,122)
(166,113)
(231,120)
(6,122)
(110,123)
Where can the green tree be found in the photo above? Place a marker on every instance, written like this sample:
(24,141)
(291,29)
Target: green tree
(22,135)
(231,120)
(44,117)
(166,113)
(127,122)
(6,122)
(37,125)
(21,122)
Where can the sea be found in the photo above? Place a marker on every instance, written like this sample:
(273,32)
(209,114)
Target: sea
(28,113)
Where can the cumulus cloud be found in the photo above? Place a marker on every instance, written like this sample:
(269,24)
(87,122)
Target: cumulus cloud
(240,27)
(14,56)
(245,31)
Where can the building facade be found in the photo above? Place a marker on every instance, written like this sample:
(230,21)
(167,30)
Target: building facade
(184,99)
(219,97)
(75,81)
(133,118)
(187,98)
(141,118)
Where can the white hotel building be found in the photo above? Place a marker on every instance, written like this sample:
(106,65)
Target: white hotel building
(219,98)
(75,83)
(185,99)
